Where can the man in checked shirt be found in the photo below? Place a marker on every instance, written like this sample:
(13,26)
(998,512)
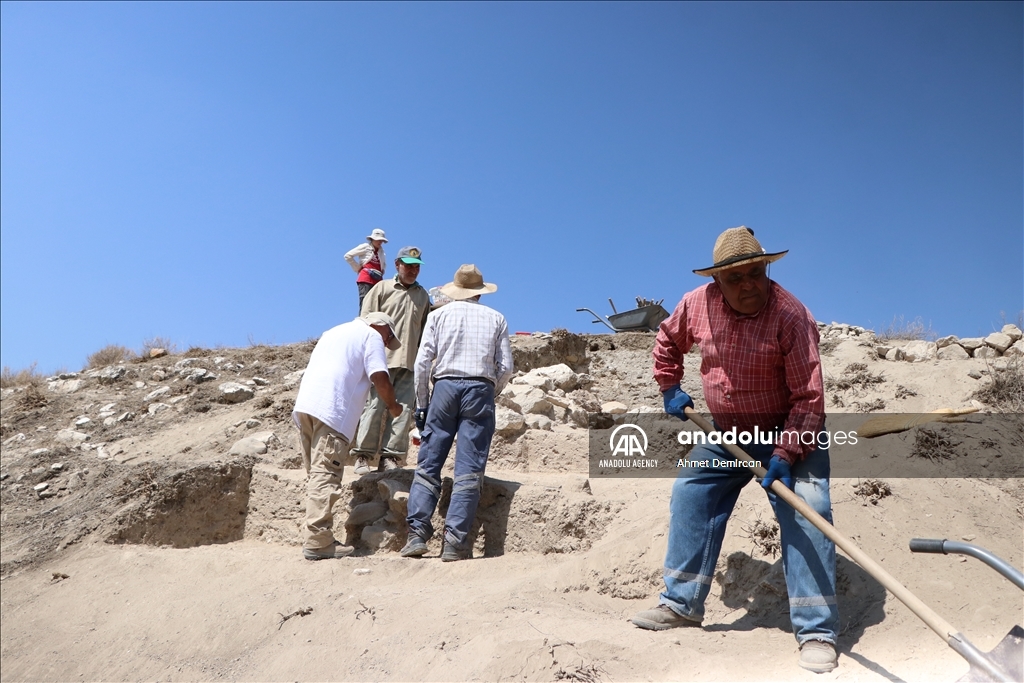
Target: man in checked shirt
(759,367)
(467,344)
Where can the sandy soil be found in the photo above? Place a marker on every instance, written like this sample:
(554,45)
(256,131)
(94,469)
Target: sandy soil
(163,556)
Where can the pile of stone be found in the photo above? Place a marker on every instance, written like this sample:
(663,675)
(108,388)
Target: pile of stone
(841,331)
(1007,342)
(542,398)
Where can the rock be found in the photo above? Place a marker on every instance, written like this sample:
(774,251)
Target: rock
(57,466)
(196,375)
(233,392)
(109,421)
(974,374)
(971,343)
(895,354)
(260,382)
(1013,332)
(1016,350)
(111,374)
(539,422)
(400,504)
(562,376)
(293,378)
(943,342)
(39,488)
(528,398)
(882,350)
(953,352)
(157,407)
(157,353)
(985,352)
(71,437)
(558,401)
(64,386)
(508,422)
(177,399)
(389,488)
(140,385)
(999,341)
(82,421)
(376,537)
(248,446)
(614,407)
(362,571)
(252,423)
(365,513)
(156,393)
(125,417)
(919,350)
(533,379)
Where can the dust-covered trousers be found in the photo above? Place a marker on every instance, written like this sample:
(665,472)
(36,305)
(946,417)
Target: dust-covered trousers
(324,452)
(457,406)
(702,501)
(378,432)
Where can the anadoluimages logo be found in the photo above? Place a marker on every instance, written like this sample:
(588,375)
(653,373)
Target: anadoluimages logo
(626,441)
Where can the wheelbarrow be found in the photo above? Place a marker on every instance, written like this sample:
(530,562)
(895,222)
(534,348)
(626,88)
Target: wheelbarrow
(646,317)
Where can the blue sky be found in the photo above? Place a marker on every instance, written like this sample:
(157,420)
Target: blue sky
(196,171)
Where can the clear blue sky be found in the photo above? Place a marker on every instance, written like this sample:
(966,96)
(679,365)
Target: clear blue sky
(196,170)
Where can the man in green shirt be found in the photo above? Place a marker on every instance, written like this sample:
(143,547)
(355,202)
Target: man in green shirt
(380,438)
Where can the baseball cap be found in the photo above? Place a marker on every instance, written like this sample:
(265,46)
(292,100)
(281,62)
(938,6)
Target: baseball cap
(377,318)
(410,255)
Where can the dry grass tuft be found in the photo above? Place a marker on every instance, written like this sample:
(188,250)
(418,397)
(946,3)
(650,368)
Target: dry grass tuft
(906,330)
(765,537)
(110,355)
(158,343)
(10,379)
(1005,390)
(854,376)
(934,445)
(873,490)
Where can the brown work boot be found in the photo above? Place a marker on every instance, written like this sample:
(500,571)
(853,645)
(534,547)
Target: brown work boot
(334,551)
(660,618)
(818,656)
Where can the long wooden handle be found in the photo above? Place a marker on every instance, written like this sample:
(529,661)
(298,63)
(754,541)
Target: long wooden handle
(943,628)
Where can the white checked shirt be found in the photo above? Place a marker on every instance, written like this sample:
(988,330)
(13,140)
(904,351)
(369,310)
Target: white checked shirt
(463,339)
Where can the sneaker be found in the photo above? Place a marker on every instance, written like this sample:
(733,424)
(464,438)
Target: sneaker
(362,465)
(387,464)
(818,656)
(660,618)
(452,554)
(414,547)
(334,551)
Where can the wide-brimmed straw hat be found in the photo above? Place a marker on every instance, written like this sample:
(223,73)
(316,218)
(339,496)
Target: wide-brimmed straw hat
(383,319)
(736,247)
(377,234)
(468,283)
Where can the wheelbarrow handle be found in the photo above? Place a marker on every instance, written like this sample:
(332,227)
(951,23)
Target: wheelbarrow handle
(934,545)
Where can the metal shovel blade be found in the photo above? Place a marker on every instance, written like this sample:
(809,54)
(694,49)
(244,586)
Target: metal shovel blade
(1008,655)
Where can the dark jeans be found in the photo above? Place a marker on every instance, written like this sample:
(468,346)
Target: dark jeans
(457,406)
(364,287)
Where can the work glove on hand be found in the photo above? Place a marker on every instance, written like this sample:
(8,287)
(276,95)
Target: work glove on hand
(675,400)
(778,469)
(420,416)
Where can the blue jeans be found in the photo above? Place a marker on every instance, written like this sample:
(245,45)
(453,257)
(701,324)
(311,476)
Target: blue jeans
(457,406)
(702,501)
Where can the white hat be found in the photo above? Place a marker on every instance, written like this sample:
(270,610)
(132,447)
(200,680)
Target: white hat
(383,320)
(377,234)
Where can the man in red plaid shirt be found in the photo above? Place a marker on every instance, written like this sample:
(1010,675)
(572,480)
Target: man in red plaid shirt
(759,368)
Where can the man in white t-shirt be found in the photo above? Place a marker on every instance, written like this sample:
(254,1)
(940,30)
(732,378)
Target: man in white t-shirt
(334,387)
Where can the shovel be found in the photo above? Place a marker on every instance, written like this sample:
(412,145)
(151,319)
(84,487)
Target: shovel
(1002,664)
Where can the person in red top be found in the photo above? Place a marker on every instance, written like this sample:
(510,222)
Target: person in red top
(759,368)
(368,261)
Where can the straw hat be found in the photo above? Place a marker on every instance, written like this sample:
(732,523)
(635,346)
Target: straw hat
(467,284)
(377,234)
(736,247)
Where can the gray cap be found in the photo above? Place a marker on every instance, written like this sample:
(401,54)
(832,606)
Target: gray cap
(378,318)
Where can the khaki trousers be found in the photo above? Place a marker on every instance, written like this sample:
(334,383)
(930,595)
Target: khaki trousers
(324,452)
(378,432)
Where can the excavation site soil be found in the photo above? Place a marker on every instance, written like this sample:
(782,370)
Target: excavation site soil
(151,514)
